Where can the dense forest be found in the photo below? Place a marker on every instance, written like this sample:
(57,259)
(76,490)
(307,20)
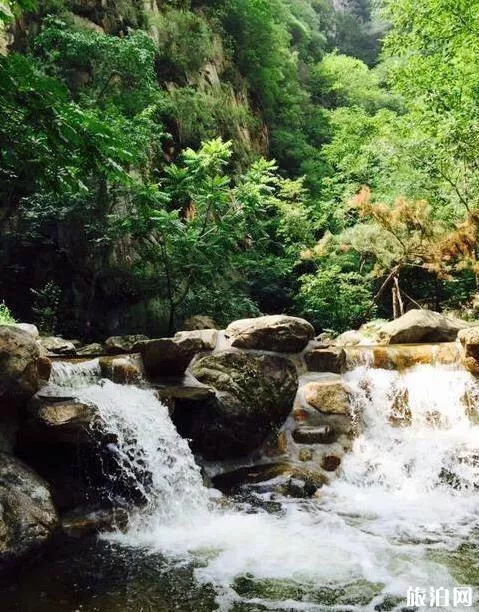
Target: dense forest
(234,157)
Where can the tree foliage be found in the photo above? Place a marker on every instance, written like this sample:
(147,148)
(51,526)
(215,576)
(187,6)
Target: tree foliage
(136,147)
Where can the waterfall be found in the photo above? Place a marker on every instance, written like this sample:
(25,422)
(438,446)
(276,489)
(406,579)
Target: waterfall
(418,434)
(146,444)
(71,374)
(402,507)
(413,472)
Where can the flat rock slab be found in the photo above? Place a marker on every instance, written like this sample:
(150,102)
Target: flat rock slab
(91,350)
(60,419)
(54,345)
(65,414)
(327,397)
(278,333)
(183,387)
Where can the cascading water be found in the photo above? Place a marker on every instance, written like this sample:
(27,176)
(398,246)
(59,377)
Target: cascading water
(403,513)
(147,446)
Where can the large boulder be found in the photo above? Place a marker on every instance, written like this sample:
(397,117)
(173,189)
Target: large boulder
(118,345)
(171,356)
(254,395)
(277,333)
(27,515)
(19,355)
(418,326)
(30,329)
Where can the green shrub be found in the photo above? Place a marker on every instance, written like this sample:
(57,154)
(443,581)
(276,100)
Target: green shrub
(6,317)
(46,303)
(334,299)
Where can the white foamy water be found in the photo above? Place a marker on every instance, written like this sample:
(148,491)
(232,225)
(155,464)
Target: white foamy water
(405,499)
(75,374)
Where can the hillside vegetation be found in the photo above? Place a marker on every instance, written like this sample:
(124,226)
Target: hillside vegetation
(231,157)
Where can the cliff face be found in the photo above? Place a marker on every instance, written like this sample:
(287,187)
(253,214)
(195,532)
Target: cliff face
(214,76)
(205,96)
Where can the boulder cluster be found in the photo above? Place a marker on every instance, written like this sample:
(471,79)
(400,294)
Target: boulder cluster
(262,401)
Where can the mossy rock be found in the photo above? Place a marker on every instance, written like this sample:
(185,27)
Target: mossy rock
(254,395)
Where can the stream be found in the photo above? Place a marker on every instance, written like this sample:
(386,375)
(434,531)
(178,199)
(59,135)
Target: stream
(403,514)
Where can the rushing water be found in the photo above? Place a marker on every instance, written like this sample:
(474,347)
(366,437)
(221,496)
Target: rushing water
(404,511)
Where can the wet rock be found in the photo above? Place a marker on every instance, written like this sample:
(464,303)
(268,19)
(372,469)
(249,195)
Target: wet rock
(330,463)
(19,354)
(331,359)
(66,414)
(469,339)
(254,474)
(327,396)
(124,369)
(183,388)
(303,482)
(171,356)
(119,345)
(54,394)
(471,364)
(305,454)
(280,478)
(314,435)
(44,368)
(59,419)
(200,322)
(254,395)
(55,345)
(436,419)
(277,333)
(401,415)
(80,523)
(276,445)
(301,415)
(418,326)
(28,517)
(91,350)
